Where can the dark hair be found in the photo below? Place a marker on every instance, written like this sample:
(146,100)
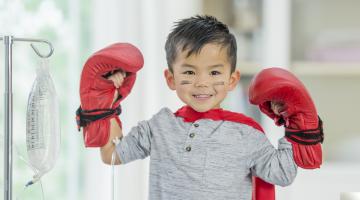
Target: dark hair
(193,33)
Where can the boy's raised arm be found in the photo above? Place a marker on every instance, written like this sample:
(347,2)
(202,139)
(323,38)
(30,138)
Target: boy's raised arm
(297,113)
(108,149)
(274,166)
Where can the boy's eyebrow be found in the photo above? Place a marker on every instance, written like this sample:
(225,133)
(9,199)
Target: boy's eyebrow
(188,65)
(215,66)
(210,67)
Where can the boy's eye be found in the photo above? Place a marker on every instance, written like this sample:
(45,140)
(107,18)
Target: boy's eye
(213,73)
(189,72)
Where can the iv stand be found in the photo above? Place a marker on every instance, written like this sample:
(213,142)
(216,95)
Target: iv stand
(8,153)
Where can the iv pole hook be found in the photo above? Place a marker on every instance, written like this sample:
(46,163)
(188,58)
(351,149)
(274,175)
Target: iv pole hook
(35,49)
(41,55)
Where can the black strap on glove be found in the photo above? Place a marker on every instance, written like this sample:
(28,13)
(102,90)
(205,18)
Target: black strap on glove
(306,137)
(84,117)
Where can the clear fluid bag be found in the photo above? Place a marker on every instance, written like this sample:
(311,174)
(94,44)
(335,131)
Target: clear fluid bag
(42,123)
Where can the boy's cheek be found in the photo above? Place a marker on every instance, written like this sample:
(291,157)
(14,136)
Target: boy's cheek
(219,83)
(181,92)
(183,88)
(185,82)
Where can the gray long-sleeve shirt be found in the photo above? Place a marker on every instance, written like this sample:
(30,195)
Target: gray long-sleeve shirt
(206,159)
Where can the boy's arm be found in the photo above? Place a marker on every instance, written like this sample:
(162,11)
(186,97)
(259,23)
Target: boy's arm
(115,130)
(135,145)
(107,150)
(275,166)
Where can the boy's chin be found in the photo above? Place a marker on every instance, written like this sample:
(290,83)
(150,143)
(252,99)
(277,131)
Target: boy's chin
(201,109)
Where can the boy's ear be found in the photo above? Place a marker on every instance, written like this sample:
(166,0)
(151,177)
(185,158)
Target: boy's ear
(169,76)
(234,79)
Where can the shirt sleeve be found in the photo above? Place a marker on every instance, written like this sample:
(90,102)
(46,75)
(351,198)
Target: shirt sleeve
(136,144)
(275,166)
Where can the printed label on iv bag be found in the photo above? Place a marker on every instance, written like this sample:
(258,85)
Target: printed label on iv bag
(42,123)
(35,137)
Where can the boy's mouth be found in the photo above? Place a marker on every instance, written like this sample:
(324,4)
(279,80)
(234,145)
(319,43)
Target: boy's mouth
(202,96)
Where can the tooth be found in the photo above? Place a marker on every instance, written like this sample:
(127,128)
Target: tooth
(202,96)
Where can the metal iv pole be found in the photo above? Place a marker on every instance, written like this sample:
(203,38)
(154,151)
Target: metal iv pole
(8,141)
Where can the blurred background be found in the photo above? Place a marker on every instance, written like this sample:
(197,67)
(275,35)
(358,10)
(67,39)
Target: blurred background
(318,40)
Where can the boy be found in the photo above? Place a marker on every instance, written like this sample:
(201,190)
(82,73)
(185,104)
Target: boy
(201,151)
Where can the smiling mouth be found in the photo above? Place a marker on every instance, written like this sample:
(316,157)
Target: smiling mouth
(202,96)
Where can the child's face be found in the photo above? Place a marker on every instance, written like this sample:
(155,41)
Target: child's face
(202,80)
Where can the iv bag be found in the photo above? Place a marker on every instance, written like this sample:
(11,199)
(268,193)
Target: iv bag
(42,123)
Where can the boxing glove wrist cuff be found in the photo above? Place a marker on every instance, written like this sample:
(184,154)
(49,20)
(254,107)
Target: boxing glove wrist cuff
(306,137)
(84,117)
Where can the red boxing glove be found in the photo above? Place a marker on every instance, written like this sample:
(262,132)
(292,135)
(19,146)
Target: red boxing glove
(97,92)
(303,127)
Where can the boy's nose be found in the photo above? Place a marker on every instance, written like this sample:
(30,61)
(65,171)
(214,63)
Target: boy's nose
(201,81)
